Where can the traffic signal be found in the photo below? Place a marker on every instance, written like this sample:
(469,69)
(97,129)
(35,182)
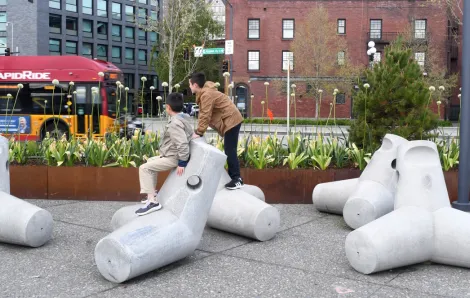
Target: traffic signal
(7,52)
(186,54)
(225,66)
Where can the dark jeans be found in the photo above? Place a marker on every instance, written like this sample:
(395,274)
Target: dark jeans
(230,148)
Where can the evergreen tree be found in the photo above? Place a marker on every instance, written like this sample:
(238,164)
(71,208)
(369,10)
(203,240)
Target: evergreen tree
(394,100)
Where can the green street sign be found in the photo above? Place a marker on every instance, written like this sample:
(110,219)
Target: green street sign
(213,51)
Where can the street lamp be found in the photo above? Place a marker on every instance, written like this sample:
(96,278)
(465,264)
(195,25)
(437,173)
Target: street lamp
(371,52)
(12,36)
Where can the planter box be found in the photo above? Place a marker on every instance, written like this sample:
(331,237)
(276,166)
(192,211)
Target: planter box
(122,184)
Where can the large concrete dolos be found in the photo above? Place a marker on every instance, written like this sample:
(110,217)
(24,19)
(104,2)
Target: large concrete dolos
(423,226)
(23,223)
(374,195)
(4,166)
(149,242)
(332,196)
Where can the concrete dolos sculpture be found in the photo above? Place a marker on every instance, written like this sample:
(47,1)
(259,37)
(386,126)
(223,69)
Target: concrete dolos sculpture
(364,199)
(242,212)
(21,223)
(423,226)
(163,237)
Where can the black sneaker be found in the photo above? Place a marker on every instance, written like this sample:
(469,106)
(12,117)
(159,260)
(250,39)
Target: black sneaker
(235,184)
(149,208)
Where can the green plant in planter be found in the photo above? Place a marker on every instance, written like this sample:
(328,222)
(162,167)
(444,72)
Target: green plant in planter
(320,153)
(358,156)
(122,155)
(258,154)
(448,154)
(295,160)
(18,152)
(340,153)
(275,148)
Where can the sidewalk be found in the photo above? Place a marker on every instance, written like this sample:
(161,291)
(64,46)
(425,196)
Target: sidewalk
(305,259)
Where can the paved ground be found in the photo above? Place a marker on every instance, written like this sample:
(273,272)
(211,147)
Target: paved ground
(306,259)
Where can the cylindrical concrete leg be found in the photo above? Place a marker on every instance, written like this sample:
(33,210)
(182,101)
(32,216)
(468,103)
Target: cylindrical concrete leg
(23,223)
(400,238)
(238,212)
(254,191)
(332,196)
(124,215)
(4,165)
(143,245)
(451,237)
(369,201)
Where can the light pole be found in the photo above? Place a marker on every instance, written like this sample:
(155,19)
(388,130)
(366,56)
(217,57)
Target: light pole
(12,36)
(371,52)
(462,202)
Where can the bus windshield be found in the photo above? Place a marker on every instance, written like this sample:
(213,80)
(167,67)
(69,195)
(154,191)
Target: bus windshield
(114,95)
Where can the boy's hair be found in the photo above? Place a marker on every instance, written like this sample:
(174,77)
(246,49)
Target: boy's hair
(175,101)
(198,78)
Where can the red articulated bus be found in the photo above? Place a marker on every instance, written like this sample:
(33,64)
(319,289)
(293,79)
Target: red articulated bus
(57,96)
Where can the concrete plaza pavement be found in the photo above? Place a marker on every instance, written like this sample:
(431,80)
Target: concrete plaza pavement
(305,259)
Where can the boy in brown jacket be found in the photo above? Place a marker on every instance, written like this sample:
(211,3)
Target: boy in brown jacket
(174,152)
(218,111)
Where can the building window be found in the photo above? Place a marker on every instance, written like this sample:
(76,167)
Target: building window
(143,1)
(129,80)
(116,54)
(55,23)
(71,24)
(341,58)
(341,26)
(87,7)
(54,47)
(142,16)
(142,35)
(3,2)
(116,9)
(130,13)
(420,29)
(420,58)
(71,5)
(3,45)
(129,56)
(102,52)
(102,30)
(71,47)
(377,58)
(288,29)
(154,16)
(54,4)
(153,36)
(130,34)
(102,10)
(340,98)
(142,57)
(116,31)
(3,21)
(376,29)
(87,28)
(87,50)
(253,60)
(287,59)
(253,29)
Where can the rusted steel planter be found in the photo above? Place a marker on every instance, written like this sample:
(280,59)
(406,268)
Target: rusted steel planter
(280,185)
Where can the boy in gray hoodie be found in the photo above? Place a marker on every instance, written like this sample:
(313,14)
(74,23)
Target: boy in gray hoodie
(174,152)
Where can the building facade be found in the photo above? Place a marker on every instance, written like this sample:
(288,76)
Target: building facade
(264,30)
(102,29)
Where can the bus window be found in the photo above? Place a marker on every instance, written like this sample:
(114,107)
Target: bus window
(44,103)
(6,105)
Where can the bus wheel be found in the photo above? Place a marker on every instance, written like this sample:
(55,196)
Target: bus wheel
(57,134)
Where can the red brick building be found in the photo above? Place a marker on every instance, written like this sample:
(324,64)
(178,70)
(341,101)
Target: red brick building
(262,30)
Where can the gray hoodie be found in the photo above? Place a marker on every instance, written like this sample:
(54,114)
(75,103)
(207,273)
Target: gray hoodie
(176,138)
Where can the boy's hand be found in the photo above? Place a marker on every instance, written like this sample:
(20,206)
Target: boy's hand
(195,136)
(180,171)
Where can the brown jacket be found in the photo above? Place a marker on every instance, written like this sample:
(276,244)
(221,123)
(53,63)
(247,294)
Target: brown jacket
(216,110)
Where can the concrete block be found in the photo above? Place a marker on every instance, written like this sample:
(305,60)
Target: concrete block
(251,189)
(168,235)
(374,194)
(23,223)
(402,237)
(422,182)
(238,212)
(4,165)
(332,196)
